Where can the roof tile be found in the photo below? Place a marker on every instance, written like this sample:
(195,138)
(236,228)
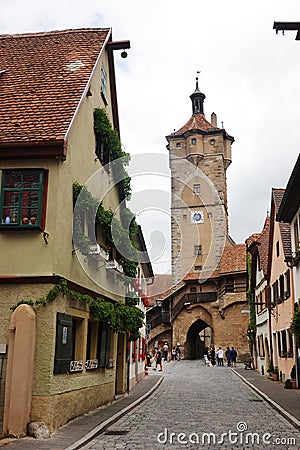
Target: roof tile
(38,91)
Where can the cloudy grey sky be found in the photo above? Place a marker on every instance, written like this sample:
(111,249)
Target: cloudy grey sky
(250,76)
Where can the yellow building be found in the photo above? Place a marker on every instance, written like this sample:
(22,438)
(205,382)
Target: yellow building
(58,359)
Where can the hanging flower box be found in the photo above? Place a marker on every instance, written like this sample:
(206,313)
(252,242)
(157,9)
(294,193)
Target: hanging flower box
(97,250)
(114,265)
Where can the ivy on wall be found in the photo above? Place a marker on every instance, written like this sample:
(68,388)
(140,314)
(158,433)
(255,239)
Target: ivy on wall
(121,236)
(122,318)
(110,139)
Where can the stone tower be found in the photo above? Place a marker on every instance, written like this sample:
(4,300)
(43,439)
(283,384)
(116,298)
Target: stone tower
(199,154)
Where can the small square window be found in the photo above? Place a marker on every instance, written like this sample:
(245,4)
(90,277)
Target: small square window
(178,144)
(193,141)
(197,250)
(184,216)
(196,188)
(198,268)
(23,198)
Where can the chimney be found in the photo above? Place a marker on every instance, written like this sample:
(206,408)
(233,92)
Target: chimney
(213,119)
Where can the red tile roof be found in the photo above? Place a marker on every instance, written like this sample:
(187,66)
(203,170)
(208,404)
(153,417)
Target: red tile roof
(233,259)
(263,240)
(44,79)
(197,122)
(285,229)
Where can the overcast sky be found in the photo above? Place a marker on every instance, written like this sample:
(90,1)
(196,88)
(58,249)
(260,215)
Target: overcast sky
(250,76)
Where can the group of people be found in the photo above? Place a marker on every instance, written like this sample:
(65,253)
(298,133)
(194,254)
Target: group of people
(213,357)
(162,354)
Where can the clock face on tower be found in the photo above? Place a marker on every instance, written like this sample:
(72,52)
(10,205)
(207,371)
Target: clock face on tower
(197,217)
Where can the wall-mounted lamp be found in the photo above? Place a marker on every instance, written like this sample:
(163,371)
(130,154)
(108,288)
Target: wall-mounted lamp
(159,302)
(221,314)
(124,54)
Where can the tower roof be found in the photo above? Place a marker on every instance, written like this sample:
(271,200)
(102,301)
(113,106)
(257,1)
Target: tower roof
(198,122)
(197,100)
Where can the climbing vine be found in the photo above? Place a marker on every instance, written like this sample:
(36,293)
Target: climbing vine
(122,318)
(121,236)
(110,139)
(296,322)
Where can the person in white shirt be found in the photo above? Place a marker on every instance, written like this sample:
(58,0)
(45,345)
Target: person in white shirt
(220,356)
(166,350)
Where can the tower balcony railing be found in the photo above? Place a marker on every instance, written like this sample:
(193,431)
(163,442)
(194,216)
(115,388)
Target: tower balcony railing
(191,298)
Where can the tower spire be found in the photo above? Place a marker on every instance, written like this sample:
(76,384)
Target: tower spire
(197,100)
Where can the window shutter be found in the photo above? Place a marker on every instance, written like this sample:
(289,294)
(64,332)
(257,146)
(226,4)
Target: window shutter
(63,346)
(101,345)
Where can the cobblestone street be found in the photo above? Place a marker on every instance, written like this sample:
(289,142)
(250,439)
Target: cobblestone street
(200,407)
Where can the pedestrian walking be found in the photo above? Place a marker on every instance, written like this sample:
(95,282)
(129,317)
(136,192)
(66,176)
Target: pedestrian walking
(158,360)
(173,354)
(233,356)
(220,357)
(213,356)
(177,353)
(227,356)
(166,351)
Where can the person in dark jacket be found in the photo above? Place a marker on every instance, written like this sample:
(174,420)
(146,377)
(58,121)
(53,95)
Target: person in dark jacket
(227,356)
(233,356)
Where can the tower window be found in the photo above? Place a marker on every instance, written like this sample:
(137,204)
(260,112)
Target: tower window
(212,141)
(196,188)
(178,144)
(184,216)
(277,249)
(193,141)
(197,250)
(198,267)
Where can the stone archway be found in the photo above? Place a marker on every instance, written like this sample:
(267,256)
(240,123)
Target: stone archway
(199,336)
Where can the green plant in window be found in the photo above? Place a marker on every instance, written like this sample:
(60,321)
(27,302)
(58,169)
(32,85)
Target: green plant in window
(296,322)
(121,236)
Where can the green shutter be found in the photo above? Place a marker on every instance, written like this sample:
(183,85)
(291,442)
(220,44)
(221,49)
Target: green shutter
(63,347)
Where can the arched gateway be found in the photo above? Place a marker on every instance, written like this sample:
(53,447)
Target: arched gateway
(198,338)
(204,320)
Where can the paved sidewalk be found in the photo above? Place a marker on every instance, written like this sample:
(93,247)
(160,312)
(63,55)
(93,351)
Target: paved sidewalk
(285,401)
(79,431)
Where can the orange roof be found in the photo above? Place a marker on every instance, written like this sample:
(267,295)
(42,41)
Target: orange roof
(285,228)
(233,259)
(263,240)
(42,79)
(197,122)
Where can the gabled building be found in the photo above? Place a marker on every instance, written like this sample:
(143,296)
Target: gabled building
(281,295)
(289,212)
(59,268)
(258,246)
